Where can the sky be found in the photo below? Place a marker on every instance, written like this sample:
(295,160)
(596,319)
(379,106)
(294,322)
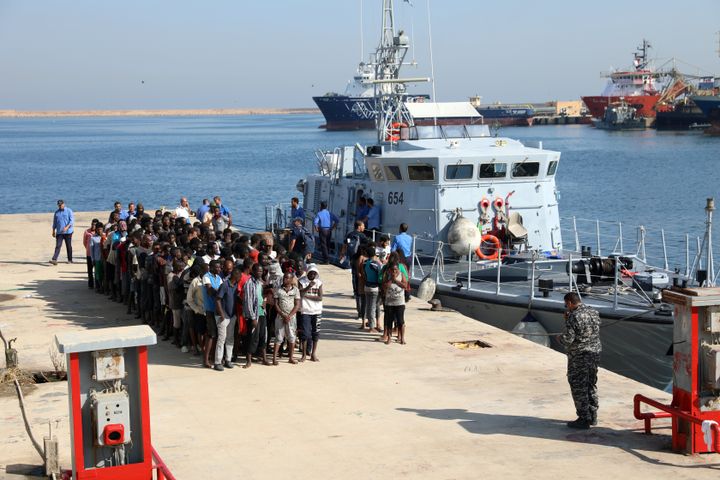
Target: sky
(164,54)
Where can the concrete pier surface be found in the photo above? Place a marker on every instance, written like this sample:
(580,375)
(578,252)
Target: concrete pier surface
(366,410)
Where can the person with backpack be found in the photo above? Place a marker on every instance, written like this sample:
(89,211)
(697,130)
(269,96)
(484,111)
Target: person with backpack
(301,241)
(351,248)
(372,269)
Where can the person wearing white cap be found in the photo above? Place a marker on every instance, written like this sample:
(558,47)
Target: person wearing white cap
(310,311)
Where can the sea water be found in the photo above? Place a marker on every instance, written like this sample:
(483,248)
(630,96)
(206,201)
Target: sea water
(656,179)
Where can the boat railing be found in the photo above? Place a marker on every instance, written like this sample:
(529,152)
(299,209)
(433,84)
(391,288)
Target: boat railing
(673,254)
(680,254)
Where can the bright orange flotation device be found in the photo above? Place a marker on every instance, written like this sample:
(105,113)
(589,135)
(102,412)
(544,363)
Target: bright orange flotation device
(394,133)
(490,239)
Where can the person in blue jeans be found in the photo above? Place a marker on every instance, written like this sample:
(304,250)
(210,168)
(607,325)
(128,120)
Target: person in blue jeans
(62,230)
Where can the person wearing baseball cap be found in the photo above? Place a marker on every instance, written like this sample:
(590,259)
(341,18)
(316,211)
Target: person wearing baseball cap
(62,230)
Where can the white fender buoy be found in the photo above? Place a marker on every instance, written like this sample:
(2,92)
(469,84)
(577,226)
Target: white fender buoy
(463,234)
(426,289)
(530,329)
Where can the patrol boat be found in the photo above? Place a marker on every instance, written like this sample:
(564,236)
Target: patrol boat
(483,211)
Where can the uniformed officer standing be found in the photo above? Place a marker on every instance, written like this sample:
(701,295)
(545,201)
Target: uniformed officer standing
(582,344)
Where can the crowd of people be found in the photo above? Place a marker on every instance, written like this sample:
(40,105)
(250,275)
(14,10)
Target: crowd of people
(224,296)
(214,292)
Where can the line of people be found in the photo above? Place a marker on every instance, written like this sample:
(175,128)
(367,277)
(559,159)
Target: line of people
(214,292)
(380,279)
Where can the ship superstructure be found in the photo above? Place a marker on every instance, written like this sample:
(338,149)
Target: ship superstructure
(639,87)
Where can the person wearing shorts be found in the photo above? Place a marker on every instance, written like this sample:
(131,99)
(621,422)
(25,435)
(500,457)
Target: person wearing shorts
(287,304)
(393,287)
(211,283)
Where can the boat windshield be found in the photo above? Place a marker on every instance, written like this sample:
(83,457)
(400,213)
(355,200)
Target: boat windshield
(423,132)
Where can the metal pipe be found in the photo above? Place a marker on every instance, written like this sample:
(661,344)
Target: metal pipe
(687,255)
(709,208)
(622,249)
(577,238)
(469,283)
(642,243)
(668,411)
(664,247)
(532,277)
(499,260)
(615,286)
(699,254)
(412,263)
(597,235)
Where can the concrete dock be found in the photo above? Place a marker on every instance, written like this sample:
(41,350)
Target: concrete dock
(366,410)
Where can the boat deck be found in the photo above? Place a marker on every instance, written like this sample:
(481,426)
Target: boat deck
(423,410)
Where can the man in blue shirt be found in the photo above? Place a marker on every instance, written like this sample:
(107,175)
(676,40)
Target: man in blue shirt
(296,211)
(62,230)
(372,220)
(403,242)
(325,222)
(223,210)
(204,208)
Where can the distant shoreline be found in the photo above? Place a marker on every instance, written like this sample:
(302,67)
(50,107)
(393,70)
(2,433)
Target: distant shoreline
(157,113)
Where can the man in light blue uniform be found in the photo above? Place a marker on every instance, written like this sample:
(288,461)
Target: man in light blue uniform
(62,230)
(325,222)
(403,242)
(373,216)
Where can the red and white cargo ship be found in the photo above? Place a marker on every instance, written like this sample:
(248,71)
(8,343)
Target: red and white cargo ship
(638,88)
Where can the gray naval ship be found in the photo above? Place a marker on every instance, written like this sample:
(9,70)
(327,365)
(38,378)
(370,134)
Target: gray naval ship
(488,234)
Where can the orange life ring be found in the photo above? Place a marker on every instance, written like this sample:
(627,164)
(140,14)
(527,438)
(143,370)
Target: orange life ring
(394,133)
(490,239)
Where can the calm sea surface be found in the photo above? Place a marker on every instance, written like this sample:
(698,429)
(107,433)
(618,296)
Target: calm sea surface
(652,178)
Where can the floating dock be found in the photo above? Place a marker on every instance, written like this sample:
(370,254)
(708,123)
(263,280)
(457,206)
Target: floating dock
(428,409)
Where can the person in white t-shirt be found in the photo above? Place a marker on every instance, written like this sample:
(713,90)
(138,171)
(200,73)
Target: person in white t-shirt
(183,210)
(311,293)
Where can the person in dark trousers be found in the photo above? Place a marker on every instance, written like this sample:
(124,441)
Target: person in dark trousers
(351,249)
(62,230)
(582,344)
(325,222)
(87,235)
(254,313)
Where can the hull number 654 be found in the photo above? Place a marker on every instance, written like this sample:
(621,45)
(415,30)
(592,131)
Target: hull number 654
(395,198)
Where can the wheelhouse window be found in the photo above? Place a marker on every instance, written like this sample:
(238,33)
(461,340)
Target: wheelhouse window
(493,170)
(376,171)
(421,172)
(392,172)
(459,172)
(526,169)
(552,168)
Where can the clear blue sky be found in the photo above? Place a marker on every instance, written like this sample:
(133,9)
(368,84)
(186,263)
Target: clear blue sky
(90,54)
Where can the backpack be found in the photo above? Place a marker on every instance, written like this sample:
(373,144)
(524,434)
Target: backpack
(372,273)
(354,240)
(308,240)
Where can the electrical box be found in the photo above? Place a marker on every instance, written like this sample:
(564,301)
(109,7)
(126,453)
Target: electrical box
(109,365)
(109,402)
(111,415)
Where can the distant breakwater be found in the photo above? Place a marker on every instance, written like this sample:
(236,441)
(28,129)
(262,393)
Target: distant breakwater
(157,113)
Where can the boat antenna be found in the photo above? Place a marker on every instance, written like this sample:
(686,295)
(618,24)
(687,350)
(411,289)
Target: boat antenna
(432,64)
(362,51)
